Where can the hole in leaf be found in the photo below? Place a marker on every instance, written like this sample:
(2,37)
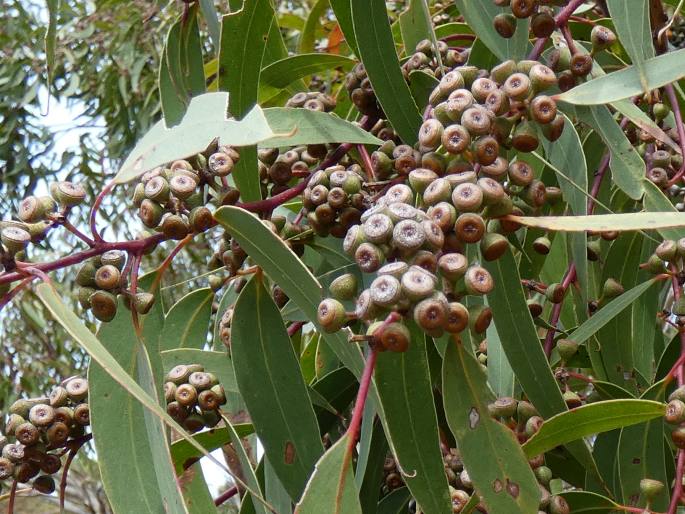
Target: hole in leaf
(474,418)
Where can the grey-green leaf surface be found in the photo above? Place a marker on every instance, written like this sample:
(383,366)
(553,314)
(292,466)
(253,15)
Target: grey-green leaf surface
(479,16)
(294,127)
(500,375)
(125,438)
(656,201)
(187,322)
(589,419)
(606,222)
(491,454)
(245,466)
(377,52)
(171,88)
(204,120)
(331,487)
(404,387)
(631,21)
(415,24)
(269,379)
(625,83)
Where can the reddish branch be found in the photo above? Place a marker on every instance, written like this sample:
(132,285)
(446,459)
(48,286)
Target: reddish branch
(226,495)
(675,107)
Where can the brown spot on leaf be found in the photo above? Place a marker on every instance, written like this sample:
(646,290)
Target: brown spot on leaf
(497,486)
(636,460)
(474,418)
(289,452)
(513,489)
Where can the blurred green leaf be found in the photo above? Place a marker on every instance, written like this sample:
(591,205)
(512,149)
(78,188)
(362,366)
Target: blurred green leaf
(187,322)
(590,419)
(271,384)
(50,39)
(416,24)
(204,121)
(404,387)
(331,488)
(491,454)
(343,13)
(626,83)
(377,52)
(307,40)
(479,17)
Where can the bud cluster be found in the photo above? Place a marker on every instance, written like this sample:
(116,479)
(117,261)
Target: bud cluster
(193,397)
(37,430)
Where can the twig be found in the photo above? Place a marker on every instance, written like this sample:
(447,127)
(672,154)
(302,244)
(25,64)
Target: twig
(94,211)
(675,107)
(366,161)
(226,495)
(71,228)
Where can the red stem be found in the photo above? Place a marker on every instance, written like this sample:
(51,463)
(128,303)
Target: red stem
(226,495)
(459,37)
(675,107)
(358,412)
(7,298)
(366,161)
(13,494)
(94,211)
(295,327)
(71,228)
(556,311)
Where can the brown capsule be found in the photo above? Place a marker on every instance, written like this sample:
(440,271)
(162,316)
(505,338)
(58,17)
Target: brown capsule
(26,471)
(58,397)
(480,317)
(521,173)
(44,485)
(27,434)
(453,266)
(456,139)
(678,437)
(103,305)
(430,134)
(505,25)
(497,170)
(566,80)
(107,277)
(64,415)
(220,164)
(553,130)
(186,395)
(6,468)
(493,246)
(437,191)
(369,257)
(385,290)
(82,414)
(15,239)
(517,86)
(77,389)
(581,64)
(202,380)
(482,87)
(331,315)
(543,109)
(525,138)
(478,281)
(57,434)
(497,102)
(542,24)
(417,283)
(41,415)
(457,318)
(14,452)
(601,38)
(175,227)
(68,193)
(523,8)
(31,209)
(675,412)
(208,400)
(467,197)
(182,186)
(395,337)
(431,314)
(50,464)
(177,411)
(408,236)
(486,150)
(444,215)
(150,213)
(469,227)
(476,120)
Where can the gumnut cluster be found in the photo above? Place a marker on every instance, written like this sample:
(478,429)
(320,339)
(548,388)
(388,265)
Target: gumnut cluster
(193,397)
(37,430)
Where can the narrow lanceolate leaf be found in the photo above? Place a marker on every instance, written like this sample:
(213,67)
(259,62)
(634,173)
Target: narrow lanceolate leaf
(212,19)
(523,349)
(605,222)
(377,52)
(192,66)
(187,322)
(641,455)
(584,502)
(500,375)
(415,24)
(269,379)
(590,419)
(404,387)
(312,23)
(479,16)
(287,270)
(656,201)
(343,14)
(331,487)
(640,118)
(631,20)
(50,38)
(491,454)
(625,83)
(184,453)
(609,312)
(204,120)
(85,338)
(125,438)
(627,167)
(302,126)
(245,466)
(243,39)
(280,74)
(171,88)
(218,363)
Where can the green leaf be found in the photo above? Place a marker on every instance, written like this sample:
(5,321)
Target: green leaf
(184,453)
(284,72)
(204,121)
(50,39)
(377,52)
(343,13)
(274,491)
(415,24)
(605,222)
(491,454)
(373,450)
(422,85)
(640,118)
(500,375)
(245,466)
(218,363)
(626,83)
(272,387)
(394,503)
(609,312)
(307,40)
(212,20)
(227,300)
(124,433)
(187,322)
(302,126)
(589,419)
(404,387)
(171,87)
(627,167)
(646,325)
(479,16)
(631,20)
(286,269)
(191,54)
(331,487)
(655,201)
(641,455)
(244,35)
(195,490)
(583,502)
